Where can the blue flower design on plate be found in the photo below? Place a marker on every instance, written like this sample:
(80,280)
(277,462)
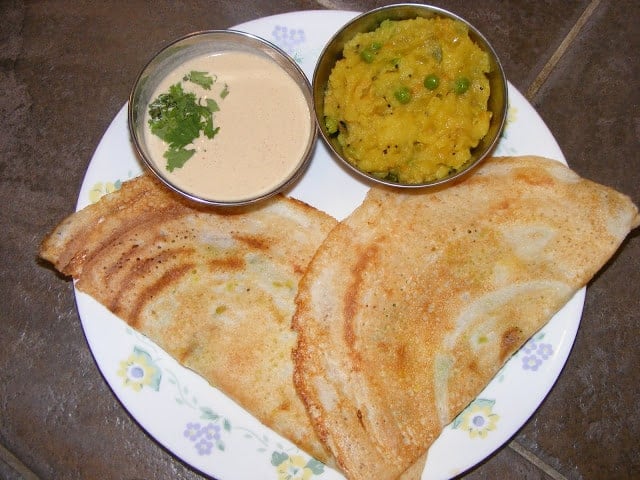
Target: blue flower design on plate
(204,436)
(535,353)
(289,39)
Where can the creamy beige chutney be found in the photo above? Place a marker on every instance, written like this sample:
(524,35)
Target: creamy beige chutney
(264,125)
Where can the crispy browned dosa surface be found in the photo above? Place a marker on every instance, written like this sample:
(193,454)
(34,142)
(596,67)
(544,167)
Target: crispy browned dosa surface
(214,288)
(415,301)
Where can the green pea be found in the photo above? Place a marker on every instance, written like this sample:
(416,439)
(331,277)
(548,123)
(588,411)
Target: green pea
(331,124)
(431,81)
(367,55)
(403,95)
(461,85)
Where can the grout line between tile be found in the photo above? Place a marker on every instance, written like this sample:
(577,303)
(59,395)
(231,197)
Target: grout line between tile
(532,458)
(562,48)
(14,463)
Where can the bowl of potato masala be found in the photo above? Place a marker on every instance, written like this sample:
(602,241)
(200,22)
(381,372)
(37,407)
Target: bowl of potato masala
(410,95)
(223,117)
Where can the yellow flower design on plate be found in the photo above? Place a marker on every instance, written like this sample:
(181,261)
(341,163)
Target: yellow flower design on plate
(100,189)
(512,115)
(140,371)
(478,418)
(295,467)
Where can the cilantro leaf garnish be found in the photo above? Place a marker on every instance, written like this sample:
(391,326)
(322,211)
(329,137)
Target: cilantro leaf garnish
(176,158)
(200,78)
(212,105)
(209,131)
(178,118)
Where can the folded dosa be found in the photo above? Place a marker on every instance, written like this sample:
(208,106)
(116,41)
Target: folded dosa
(415,301)
(214,288)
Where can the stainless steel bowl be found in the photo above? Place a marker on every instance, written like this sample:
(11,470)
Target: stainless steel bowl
(369,21)
(207,43)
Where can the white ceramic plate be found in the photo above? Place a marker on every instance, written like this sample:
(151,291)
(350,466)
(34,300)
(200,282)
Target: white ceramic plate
(199,424)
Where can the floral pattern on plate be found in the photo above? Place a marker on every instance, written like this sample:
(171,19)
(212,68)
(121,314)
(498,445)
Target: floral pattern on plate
(139,371)
(295,467)
(478,419)
(204,436)
(535,352)
(289,39)
(206,433)
(504,145)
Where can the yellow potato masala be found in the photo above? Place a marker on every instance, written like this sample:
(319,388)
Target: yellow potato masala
(408,101)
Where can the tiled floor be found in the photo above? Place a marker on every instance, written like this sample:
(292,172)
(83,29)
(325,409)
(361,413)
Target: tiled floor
(65,70)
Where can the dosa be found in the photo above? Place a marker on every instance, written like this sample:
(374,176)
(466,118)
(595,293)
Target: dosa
(415,301)
(214,288)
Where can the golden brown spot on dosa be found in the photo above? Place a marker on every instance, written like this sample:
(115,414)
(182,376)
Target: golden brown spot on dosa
(511,339)
(183,354)
(473,367)
(503,205)
(253,242)
(352,293)
(233,263)
(284,406)
(299,269)
(140,269)
(168,278)
(359,414)
(537,178)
